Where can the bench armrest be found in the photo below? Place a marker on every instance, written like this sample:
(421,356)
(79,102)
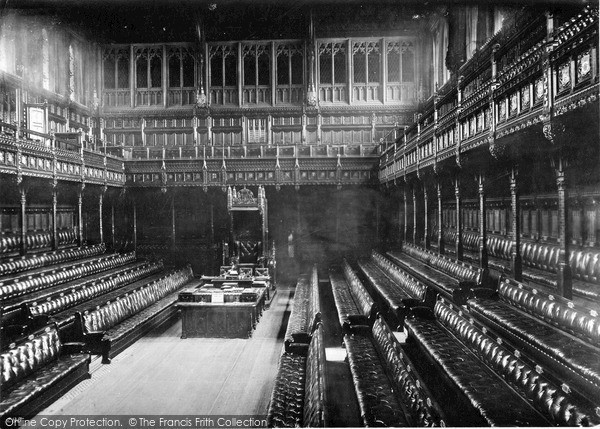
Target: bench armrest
(483,293)
(73,348)
(421,312)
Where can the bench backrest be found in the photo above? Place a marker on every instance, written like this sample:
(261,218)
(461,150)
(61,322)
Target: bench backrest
(415,288)
(29,262)
(314,413)
(112,313)
(25,284)
(361,296)
(458,269)
(585,264)
(562,313)
(423,409)
(91,289)
(28,355)
(315,301)
(548,398)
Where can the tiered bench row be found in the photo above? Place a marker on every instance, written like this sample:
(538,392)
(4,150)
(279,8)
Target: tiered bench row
(388,391)
(298,397)
(510,355)
(394,290)
(540,262)
(57,308)
(305,314)
(447,276)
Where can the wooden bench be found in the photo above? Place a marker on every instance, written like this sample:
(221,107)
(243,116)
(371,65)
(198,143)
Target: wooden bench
(29,262)
(305,314)
(38,369)
(540,262)
(554,332)
(112,326)
(299,395)
(355,307)
(449,277)
(395,291)
(389,393)
(491,384)
(47,277)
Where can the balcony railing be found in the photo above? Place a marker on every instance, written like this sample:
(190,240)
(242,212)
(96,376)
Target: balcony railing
(511,74)
(247,151)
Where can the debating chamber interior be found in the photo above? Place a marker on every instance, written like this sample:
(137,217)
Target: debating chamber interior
(299,213)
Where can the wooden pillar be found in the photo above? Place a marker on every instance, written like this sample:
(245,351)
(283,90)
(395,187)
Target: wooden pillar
(23,219)
(441,249)
(173,220)
(458,241)
(212,224)
(134,226)
(54,216)
(426,240)
(112,224)
(483,253)
(80,212)
(516,261)
(405,237)
(100,213)
(565,281)
(414,233)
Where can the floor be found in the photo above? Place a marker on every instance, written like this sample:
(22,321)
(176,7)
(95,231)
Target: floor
(163,374)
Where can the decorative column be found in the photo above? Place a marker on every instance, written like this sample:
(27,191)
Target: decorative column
(441,249)
(134,225)
(54,209)
(112,224)
(100,213)
(405,238)
(80,212)
(173,220)
(565,281)
(483,253)
(426,240)
(23,218)
(414,196)
(458,241)
(516,262)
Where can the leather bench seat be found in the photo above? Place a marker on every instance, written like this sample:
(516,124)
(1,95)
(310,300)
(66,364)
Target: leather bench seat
(50,297)
(25,284)
(298,396)
(492,401)
(395,298)
(540,262)
(442,283)
(100,324)
(570,348)
(315,397)
(30,262)
(377,401)
(348,313)
(417,400)
(560,407)
(305,314)
(414,288)
(92,288)
(465,273)
(36,370)
(132,328)
(356,310)
(287,399)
